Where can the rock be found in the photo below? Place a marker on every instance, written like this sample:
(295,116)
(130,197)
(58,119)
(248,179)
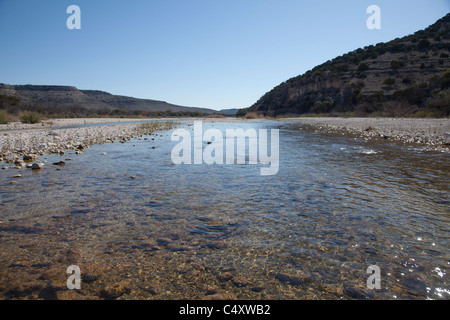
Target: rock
(78,152)
(37,166)
(17,176)
(30,157)
(337,289)
(19,163)
(216,245)
(116,290)
(224,277)
(355,292)
(67,295)
(153,290)
(59,163)
(292,280)
(163,241)
(239,282)
(220,296)
(13,182)
(104,153)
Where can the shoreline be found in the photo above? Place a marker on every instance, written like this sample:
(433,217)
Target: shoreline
(29,141)
(431,133)
(17,139)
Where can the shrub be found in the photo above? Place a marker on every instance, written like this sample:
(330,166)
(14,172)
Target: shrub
(252,115)
(440,102)
(445,82)
(423,44)
(3,117)
(395,64)
(363,67)
(407,81)
(31,117)
(241,113)
(389,81)
(323,106)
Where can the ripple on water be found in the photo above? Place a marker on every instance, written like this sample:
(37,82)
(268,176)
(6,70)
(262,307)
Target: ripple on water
(336,206)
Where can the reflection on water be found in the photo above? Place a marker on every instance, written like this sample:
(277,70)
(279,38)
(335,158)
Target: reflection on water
(140,227)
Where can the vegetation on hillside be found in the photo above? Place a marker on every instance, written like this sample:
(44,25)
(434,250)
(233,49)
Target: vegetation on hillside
(11,107)
(408,76)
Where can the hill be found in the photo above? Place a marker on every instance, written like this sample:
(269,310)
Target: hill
(406,76)
(70,100)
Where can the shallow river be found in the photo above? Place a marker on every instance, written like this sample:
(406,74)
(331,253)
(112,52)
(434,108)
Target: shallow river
(140,227)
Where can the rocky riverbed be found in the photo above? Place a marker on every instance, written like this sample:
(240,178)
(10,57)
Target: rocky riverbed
(432,133)
(20,143)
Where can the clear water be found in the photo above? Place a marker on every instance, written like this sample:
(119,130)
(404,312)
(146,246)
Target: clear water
(337,205)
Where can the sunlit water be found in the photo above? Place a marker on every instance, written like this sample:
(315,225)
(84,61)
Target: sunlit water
(140,227)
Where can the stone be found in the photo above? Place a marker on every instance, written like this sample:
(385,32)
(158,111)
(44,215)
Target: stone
(292,280)
(224,277)
(239,282)
(30,157)
(220,296)
(59,163)
(19,163)
(37,166)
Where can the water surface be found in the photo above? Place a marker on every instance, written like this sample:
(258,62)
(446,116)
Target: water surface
(140,227)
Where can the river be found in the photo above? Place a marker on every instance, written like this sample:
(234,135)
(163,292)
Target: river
(140,227)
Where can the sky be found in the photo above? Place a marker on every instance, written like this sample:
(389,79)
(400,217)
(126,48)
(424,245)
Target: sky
(201,53)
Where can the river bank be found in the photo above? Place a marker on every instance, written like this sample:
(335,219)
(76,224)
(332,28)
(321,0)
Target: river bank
(432,133)
(57,135)
(28,141)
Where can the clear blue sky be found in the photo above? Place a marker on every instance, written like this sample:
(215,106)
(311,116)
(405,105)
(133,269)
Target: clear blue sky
(204,53)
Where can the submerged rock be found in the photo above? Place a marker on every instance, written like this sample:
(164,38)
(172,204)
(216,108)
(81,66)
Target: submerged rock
(292,280)
(220,296)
